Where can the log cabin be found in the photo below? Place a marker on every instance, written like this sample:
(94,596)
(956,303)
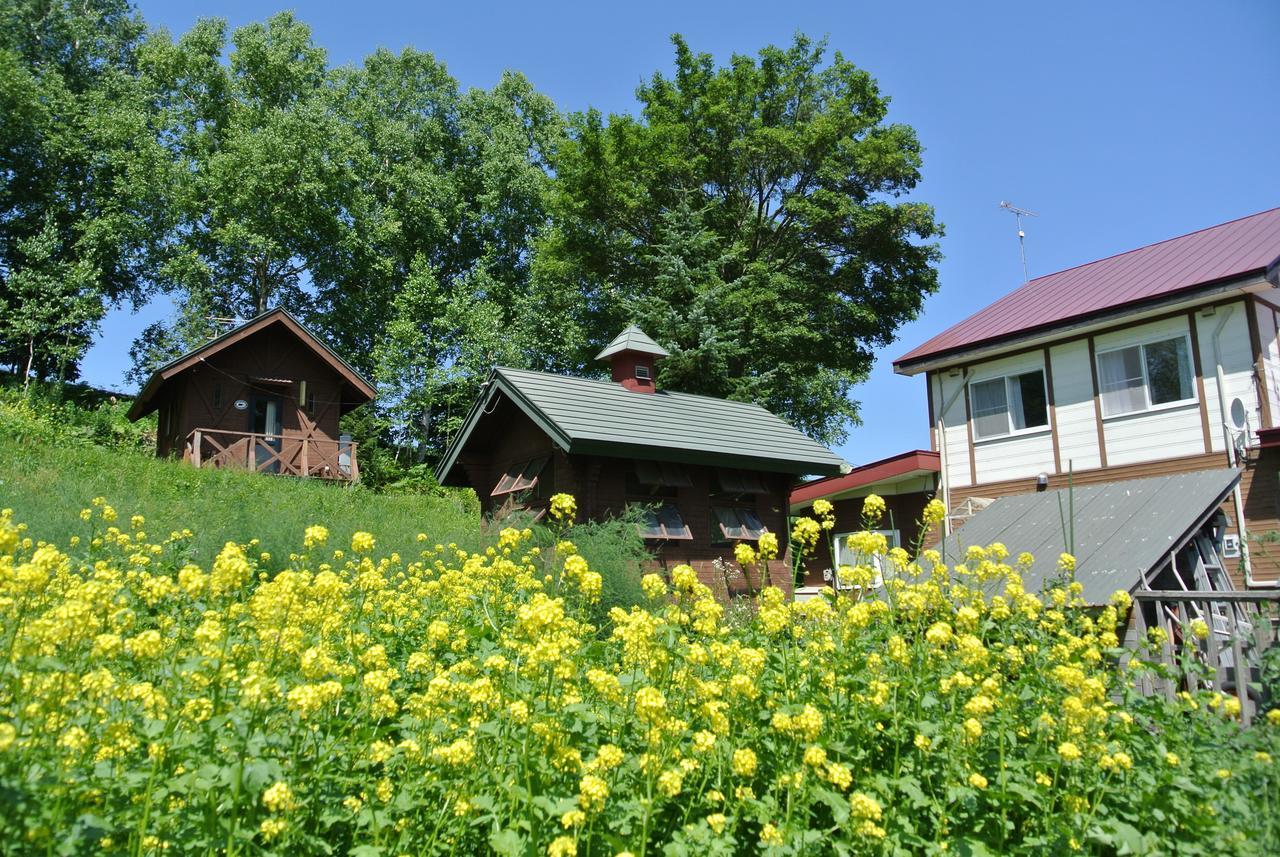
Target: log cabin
(704,473)
(265,397)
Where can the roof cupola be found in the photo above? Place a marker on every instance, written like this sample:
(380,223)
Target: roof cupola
(632,355)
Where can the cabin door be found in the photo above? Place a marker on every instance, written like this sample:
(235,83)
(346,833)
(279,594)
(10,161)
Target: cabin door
(264,422)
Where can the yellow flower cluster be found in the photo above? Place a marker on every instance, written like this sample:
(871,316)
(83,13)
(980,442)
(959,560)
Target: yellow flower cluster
(467,701)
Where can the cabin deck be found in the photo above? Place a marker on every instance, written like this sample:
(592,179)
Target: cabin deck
(290,455)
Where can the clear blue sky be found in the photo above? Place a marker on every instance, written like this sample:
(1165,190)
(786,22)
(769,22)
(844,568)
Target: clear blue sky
(1121,123)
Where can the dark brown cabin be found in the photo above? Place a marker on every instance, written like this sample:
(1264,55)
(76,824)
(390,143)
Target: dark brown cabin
(265,397)
(707,473)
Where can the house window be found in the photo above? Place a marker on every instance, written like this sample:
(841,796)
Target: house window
(1141,377)
(520,477)
(642,372)
(311,403)
(740,482)
(845,556)
(217,397)
(664,521)
(730,523)
(1008,405)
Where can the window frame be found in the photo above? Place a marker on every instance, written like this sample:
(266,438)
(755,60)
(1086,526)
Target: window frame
(738,482)
(683,534)
(518,483)
(893,537)
(1008,378)
(720,536)
(1141,345)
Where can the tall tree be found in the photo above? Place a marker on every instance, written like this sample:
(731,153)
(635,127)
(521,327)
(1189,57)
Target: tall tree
(751,219)
(83,213)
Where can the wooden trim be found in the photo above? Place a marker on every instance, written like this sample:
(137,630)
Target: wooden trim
(933,420)
(1094,475)
(1259,367)
(1199,369)
(1097,405)
(1260,299)
(968,425)
(1053,416)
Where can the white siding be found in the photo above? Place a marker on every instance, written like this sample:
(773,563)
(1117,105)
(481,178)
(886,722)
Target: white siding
(1161,433)
(1074,409)
(1237,366)
(956,440)
(1023,455)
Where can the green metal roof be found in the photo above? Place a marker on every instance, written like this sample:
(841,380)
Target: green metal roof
(1123,529)
(586,416)
(632,339)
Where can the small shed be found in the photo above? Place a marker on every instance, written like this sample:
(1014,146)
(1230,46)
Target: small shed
(265,396)
(704,473)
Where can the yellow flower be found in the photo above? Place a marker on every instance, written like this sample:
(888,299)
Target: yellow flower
(278,797)
(563,507)
(768,546)
(864,807)
(744,554)
(315,536)
(271,828)
(1066,562)
(562,846)
(716,822)
(934,512)
(1199,629)
(670,782)
(362,542)
(8,734)
(744,762)
(770,836)
(1068,751)
(873,508)
(653,586)
(1172,760)
(978,781)
(592,792)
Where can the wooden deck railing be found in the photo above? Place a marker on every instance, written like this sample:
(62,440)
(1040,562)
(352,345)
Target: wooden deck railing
(324,458)
(1242,625)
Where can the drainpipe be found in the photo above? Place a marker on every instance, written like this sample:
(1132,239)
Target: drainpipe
(942,447)
(1229,442)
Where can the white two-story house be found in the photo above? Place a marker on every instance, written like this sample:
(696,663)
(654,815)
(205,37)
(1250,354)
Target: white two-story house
(1159,360)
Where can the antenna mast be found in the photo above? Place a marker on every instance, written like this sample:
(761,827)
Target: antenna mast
(1020,213)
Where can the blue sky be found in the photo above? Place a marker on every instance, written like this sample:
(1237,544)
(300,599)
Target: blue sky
(1121,123)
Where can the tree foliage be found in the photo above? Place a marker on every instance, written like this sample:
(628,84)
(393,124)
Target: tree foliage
(750,217)
(82,170)
(750,220)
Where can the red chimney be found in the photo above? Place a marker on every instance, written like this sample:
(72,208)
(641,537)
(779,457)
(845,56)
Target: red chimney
(632,356)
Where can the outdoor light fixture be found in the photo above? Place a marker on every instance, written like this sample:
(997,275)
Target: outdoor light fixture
(1042,481)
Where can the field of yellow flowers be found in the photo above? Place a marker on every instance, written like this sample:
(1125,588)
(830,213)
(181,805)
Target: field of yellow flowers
(339,701)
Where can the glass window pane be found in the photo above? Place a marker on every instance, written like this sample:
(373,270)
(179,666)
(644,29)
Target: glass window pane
(650,526)
(1169,370)
(990,408)
(1032,407)
(1120,381)
(673,523)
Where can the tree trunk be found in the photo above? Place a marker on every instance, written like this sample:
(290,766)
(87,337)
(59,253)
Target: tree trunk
(31,357)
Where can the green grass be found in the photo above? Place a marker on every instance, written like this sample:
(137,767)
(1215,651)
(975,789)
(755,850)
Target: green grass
(47,483)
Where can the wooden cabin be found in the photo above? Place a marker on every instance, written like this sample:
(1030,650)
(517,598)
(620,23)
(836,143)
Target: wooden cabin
(703,473)
(265,397)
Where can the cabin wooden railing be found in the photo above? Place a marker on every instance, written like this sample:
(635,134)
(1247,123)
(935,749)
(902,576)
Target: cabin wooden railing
(324,458)
(1242,626)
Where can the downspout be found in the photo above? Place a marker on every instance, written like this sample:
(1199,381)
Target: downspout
(942,447)
(1229,442)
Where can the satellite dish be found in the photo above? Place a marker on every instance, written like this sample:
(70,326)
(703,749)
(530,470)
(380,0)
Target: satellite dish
(1238,414)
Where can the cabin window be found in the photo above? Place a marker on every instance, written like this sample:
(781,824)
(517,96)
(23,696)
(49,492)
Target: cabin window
(643,373)
(217,397)
(1142,377)
(740,482)
(520,477)
(730,523)
(1008,405)
(311,403)
(660,474)
(663,521)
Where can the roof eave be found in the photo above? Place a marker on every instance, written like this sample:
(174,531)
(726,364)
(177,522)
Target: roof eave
(996,345)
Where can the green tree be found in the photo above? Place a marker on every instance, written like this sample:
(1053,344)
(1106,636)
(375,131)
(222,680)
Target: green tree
(83,212)
(751,220)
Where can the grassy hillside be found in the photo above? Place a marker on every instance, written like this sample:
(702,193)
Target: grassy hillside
(47,481)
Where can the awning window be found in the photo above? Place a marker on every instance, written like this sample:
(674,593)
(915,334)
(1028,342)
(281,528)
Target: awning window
(520,477)
(740,482)
(736,523)
(664,522)
(662,474)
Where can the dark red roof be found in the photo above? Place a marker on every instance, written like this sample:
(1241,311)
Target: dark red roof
(867,474)
(1224,252)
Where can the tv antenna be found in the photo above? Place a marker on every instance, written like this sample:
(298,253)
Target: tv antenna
(1020,213)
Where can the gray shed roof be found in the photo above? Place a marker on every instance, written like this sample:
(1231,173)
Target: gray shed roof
(587,416)
(632,339)
(1122,529)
